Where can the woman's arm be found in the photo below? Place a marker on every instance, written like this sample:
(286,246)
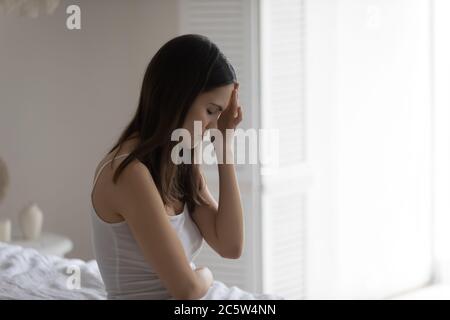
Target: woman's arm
(204,279)
(229,220)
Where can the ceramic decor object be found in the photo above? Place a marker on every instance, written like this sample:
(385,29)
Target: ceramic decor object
(30,220)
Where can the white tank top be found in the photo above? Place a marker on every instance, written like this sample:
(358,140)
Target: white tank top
(124,270)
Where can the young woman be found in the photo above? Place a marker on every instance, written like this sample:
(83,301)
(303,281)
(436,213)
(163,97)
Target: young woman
(150,215)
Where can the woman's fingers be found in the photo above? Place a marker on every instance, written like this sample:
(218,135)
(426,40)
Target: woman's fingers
(239,115)
(232,116)
(235,103)
(236,108)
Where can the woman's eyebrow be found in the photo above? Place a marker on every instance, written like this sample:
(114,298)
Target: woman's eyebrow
(218,106)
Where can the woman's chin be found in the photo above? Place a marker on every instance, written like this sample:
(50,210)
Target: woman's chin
(194,144)
(197,142)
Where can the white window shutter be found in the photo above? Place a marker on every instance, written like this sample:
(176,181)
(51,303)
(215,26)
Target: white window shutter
(273,259)
(231,24)
(285,190)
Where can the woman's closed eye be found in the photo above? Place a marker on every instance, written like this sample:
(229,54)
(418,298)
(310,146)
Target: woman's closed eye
(217,109)
(213,112)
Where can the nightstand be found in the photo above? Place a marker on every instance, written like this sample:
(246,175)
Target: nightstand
(47,243)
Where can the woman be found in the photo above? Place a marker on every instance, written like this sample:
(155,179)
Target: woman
(150,215)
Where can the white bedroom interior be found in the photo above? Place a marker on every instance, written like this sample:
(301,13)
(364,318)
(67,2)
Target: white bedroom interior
(358,205)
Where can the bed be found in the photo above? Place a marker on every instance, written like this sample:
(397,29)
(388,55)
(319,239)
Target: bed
(27,274)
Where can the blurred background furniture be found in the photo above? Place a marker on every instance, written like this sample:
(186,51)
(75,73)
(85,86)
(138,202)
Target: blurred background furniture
(47,243)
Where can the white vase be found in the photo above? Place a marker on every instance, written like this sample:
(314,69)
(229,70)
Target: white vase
(30,220)
(5,230)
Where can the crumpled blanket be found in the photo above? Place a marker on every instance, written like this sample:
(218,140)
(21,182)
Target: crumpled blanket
(25,274)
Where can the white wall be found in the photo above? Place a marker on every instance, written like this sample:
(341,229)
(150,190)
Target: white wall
(64,98)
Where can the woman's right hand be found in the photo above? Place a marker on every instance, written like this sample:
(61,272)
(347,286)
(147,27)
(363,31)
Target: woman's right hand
(205,278)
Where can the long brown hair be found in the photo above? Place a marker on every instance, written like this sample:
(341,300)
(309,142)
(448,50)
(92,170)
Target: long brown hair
(182,68)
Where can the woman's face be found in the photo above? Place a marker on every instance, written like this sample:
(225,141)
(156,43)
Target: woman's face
(207,108)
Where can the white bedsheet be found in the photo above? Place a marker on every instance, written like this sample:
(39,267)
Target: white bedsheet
(220,291)
(27,274)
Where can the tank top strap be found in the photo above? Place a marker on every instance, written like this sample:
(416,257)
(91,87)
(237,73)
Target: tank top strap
(104,165)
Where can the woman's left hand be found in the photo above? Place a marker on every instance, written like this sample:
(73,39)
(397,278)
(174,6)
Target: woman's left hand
(232,116)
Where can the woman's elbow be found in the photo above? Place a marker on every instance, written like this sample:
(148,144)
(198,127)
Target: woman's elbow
(234,252)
